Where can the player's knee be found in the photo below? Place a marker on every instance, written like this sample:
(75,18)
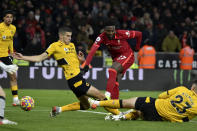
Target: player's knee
(12,77)
(84,106)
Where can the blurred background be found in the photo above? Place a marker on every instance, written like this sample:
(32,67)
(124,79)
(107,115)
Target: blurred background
(166,25)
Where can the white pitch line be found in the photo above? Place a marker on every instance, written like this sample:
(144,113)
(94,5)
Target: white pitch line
(49,111)
(193,121)
(94,112)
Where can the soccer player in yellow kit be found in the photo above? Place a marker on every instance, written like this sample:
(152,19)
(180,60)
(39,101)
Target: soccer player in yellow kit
(67,58)
(7,31)
(175,105)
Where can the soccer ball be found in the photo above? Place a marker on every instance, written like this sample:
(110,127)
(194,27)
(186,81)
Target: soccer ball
(27,103)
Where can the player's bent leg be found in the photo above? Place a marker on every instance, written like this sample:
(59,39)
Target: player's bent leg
(127,103)
(95,93)
(82,105)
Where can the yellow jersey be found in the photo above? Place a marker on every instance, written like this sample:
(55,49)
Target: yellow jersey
(177,105)
(66,57)
(6,39)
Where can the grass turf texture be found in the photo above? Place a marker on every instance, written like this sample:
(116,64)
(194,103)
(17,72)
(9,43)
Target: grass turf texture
(38,119)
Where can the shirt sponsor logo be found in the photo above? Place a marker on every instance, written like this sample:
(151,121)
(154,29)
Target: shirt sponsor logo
(127,33)
(66,49)
(98,39)
(4,37)
(121,57)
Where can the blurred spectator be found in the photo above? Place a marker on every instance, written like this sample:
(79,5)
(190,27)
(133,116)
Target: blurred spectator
(31,19)
(149,34)
(193,40)
(183,38)
(176,15)
(36,41)
(171,43)
(161,34)
(186,57)
(50,33)
(83,38)
(147,57)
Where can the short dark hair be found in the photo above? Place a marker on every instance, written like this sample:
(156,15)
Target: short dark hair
(64,29)
(8,12)
(110,22)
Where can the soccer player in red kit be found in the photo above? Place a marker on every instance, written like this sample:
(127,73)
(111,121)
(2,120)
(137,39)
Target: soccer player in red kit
(120,51)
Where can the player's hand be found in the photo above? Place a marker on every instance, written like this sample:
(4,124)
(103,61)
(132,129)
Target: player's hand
(17,55)
(11,68)
(84,69)
(81,57)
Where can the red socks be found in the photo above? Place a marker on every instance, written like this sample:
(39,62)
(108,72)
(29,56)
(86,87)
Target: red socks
(112,87)
(115,92)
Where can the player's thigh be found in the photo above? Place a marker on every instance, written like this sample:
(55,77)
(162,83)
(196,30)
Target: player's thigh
(94,92)
(126,62)
(129,103)
(117,66)
(78,85)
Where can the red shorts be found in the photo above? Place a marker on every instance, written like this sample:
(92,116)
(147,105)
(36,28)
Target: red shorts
(126,60)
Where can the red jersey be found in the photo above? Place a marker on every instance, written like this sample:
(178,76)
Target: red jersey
(119,44)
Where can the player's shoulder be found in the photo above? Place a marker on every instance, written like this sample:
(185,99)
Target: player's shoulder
(12,26)
(71,44)
(103,34)
(1,25)
(54,44)
(121,31)
(182,88)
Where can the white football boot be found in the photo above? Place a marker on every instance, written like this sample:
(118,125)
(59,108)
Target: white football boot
(55,111)
(7,122)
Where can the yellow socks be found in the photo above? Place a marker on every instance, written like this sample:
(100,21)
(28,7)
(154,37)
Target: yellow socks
(14,91)
(113,111)
(71,107)
(110,103)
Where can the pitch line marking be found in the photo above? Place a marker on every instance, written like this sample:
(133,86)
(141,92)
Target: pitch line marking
(50,110)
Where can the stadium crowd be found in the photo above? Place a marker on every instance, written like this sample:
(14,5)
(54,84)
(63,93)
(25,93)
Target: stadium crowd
(160,21)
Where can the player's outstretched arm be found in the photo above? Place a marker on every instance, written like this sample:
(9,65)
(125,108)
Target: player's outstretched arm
(138,36)
(90,55)
(36,58)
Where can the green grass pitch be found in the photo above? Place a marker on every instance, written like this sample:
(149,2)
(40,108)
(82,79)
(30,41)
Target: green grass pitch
(38,119)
